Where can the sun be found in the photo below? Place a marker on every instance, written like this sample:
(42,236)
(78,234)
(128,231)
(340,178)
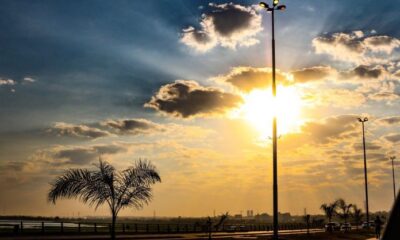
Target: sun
(260,107)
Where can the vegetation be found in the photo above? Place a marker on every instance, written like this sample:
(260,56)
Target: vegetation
(119,190)
(357,215)
(329,210)
(345,209)
(211,225)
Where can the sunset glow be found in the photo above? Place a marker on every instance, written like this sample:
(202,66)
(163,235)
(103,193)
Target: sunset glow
(187,86)
(260,107)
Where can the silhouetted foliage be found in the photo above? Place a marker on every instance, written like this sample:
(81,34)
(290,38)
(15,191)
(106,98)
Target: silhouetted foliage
(329,210)
(357,215)
(345,209)
(210,222)
(119,190)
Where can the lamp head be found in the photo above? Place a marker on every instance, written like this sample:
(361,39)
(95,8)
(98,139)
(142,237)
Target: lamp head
(281,7)
(263,5)
(275,2)
(365,119)
(359,119)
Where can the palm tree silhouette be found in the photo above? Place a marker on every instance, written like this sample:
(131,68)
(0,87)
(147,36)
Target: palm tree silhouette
(357,215)
(345,209)
(329,210)
(118,189)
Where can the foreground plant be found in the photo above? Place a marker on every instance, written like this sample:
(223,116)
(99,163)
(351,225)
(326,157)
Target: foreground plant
(118,189)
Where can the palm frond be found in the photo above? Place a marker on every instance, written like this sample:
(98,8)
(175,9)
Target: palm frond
(71,184)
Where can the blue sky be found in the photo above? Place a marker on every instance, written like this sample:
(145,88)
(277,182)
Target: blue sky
(117,54)
(93,61)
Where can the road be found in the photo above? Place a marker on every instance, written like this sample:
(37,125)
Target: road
(186,236)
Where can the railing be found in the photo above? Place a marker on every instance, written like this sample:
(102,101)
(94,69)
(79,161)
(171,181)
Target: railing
(136,228)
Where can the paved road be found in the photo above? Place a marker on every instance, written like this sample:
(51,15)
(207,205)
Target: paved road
(187,236)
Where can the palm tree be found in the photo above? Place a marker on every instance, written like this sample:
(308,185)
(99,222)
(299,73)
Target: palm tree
(329,210)
(118,189)
(210,222)
(345,209)
(357,215)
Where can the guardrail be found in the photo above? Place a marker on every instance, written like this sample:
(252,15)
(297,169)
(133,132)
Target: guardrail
(136,228)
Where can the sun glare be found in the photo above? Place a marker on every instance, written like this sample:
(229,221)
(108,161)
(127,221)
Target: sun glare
(260,107)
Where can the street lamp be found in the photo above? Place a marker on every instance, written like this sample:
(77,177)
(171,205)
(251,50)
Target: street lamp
(365,168)
(275,6)
(394,182)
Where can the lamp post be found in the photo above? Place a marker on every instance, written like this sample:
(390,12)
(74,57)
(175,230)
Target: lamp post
(272,9)
(365,168)
(394,182)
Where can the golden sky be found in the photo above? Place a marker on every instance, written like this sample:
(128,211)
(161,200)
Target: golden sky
(206,121)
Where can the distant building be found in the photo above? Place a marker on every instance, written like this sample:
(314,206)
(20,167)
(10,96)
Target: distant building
(250,213)
(263,217)
(238,216)
(285,217)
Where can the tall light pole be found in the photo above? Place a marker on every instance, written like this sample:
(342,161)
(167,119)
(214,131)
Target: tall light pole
(365,168)
(394,182)
(272,9)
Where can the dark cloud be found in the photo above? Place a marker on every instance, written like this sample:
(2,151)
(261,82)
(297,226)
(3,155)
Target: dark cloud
(355,46)
(315,73)
(393,137)
(226,24)
(65,129)
(365,72)
(84,155)
(390,120)
(248,78)
(133,126)
(382,43)
(340,45)
(368,146)
(187,98)
(374,156)
(332,129)
(12,166)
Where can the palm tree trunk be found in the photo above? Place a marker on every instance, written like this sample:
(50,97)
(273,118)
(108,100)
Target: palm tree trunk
(114,219)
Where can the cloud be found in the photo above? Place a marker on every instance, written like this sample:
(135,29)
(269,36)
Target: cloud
(133,126)
(83,131)
(389,120)
(342,46)
(12,166)
(393,137)
(337,98)
(356,47)
(247,79)
(29,80)
(365,72)
(332,128)
(382,43)
(8,82)
(370,146)
(185,98)
(227,25)
(384,96)
(82,155)
(312,74)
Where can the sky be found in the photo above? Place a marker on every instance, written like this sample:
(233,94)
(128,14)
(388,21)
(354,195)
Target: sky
(187,86)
